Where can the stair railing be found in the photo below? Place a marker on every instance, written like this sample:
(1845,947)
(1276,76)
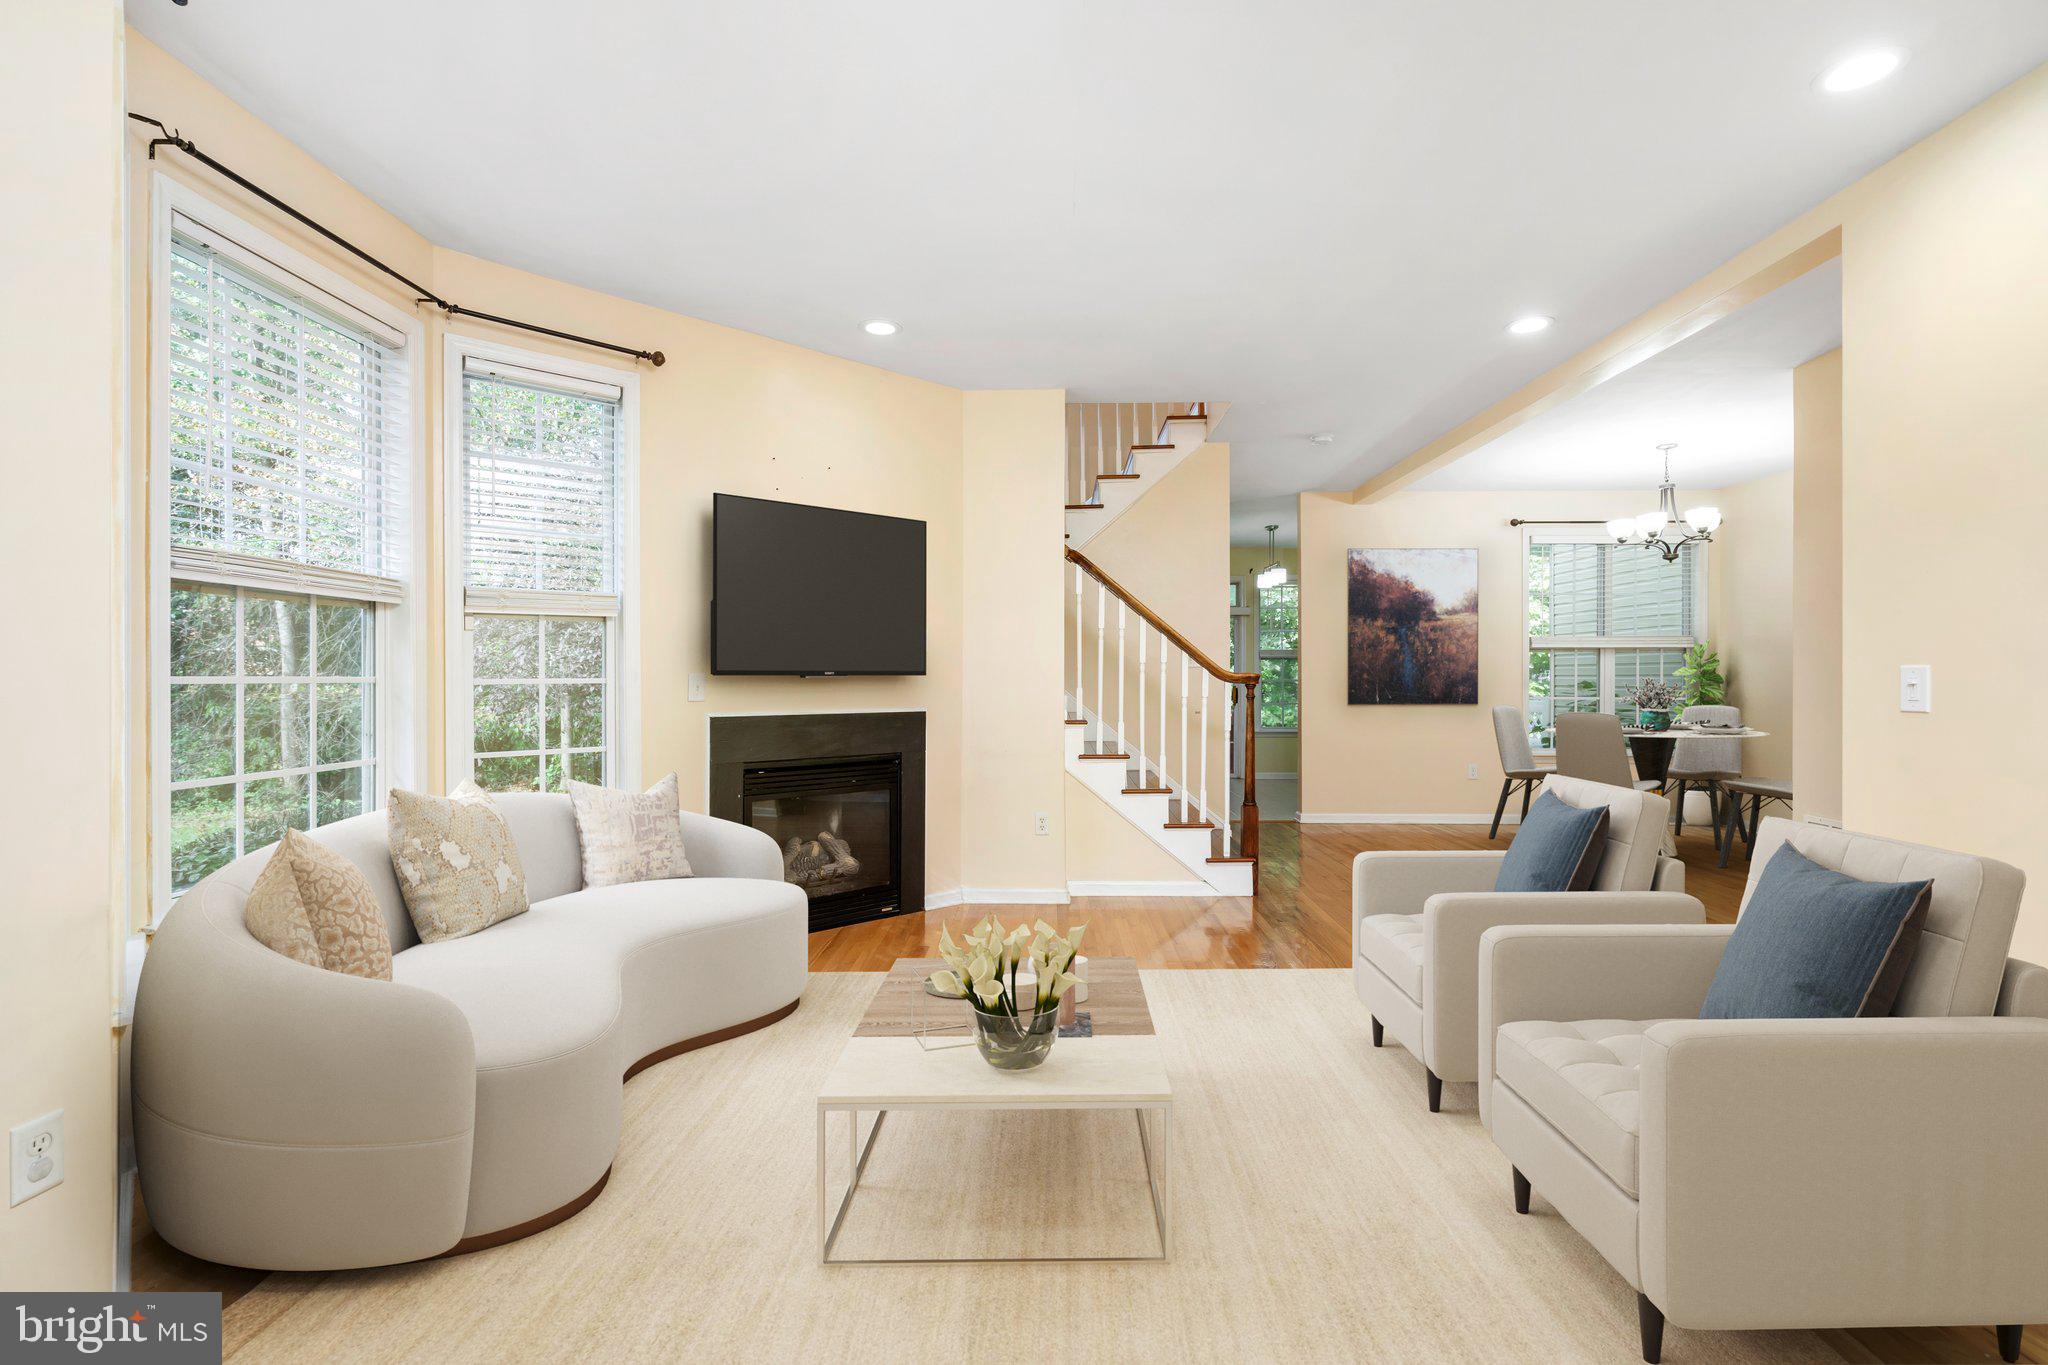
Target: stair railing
(1100,437)
(1168,732)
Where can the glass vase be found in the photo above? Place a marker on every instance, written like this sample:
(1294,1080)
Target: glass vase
(1011,1043)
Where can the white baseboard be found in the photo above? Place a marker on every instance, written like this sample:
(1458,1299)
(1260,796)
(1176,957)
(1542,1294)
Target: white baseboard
(1380,818)
(997,895)
(1189,888)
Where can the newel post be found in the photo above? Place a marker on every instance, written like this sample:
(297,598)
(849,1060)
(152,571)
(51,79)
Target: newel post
(1248,836)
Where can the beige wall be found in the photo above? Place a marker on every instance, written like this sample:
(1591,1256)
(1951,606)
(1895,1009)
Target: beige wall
(1412,760)
(1278,755)
(1102,846)
(739,413)
(1817,586)
(60,94)
(1013,769)
(1944,429)
(1749,619)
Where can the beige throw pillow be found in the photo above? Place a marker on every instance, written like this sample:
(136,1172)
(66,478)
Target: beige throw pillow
(314,906)
(457,865)
(628,838)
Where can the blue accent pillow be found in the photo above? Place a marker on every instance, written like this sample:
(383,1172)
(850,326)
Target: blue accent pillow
(1816,944)
(1557,848)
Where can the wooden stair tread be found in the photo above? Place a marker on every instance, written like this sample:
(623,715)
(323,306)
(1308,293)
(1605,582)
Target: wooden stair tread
(1142,447)
(1100,477)
(1099,748)
(1075,720)
(1084,507)
(1187,417)
(1142,789)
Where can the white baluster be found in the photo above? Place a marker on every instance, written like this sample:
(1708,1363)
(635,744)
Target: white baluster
(1202,738)
(1080,705)
(1101,627)
(1162,708)
(1140,751)
(1120,731)
(1186,787)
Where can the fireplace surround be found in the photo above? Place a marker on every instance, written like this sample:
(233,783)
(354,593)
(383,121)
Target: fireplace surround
(842,793)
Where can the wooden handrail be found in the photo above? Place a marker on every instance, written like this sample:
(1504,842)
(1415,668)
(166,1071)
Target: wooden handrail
(1186,646)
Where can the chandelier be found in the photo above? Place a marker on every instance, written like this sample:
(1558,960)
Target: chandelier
(1275,573)
(1662,530)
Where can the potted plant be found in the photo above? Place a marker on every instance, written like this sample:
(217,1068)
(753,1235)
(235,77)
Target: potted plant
(1701,678)
(1653,701)
(1013,980)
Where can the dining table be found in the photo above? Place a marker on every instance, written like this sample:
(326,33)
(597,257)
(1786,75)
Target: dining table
(1651,749)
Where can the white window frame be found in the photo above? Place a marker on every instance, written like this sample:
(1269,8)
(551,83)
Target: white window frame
(622,637)
(401,629)
(1606,645)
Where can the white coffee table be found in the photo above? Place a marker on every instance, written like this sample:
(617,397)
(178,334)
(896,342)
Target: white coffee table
(885,1067)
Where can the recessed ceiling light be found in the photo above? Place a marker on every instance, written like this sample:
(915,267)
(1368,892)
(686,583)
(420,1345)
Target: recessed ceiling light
(1863,69)
(1530,325)
(879,328)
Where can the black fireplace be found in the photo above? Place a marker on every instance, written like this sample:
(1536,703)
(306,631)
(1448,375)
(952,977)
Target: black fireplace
(841,794)
(839,823)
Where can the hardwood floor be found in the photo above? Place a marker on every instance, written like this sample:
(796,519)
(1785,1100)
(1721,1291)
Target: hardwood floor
(1300,917)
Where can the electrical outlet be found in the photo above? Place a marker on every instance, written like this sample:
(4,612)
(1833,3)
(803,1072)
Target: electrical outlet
(36,1157)
(1041,823)
(696,687)
(1472,772)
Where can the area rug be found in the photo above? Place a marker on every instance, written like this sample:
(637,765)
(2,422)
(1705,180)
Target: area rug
(1322,1213)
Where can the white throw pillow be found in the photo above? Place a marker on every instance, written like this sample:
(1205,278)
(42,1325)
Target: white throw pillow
(457,865)
(629,838)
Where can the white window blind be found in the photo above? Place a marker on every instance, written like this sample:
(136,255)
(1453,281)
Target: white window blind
(1594,592)
(288,428)
(541,497)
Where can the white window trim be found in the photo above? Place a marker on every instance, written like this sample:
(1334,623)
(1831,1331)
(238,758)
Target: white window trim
(622,661)
(1606,644)
(401,628)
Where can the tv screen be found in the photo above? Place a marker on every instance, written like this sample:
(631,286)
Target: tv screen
(814,590)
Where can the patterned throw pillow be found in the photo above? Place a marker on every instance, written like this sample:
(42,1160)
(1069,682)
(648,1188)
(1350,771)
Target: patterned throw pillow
(628,838)
(313,905)
(457,865)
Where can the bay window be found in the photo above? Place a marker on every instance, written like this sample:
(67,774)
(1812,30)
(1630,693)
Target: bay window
(539,544)
(280,511)
(1603,619)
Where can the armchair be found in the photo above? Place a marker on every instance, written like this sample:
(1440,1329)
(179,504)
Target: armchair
(1417,919)
(1785,1173)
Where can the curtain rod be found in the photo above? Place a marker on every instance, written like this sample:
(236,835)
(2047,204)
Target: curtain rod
(171,138)
(1526,521)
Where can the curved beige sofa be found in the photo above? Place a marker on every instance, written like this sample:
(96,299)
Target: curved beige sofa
(289,1118)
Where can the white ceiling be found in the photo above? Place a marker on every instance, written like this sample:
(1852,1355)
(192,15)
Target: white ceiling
(1324,211)
(1724,395)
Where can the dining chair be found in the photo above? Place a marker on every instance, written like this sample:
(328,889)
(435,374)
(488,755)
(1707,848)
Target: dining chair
(1703,763)
(1517,764)
(1760,791)
(1590,746)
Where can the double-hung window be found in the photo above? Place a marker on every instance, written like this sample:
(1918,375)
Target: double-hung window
(1604,618)
(543,475)
(1279,649)
(280,513)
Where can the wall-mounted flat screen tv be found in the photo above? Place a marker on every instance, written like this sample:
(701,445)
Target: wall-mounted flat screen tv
(814,591)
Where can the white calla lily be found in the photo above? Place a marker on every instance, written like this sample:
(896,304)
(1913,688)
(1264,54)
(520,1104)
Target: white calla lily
(989,992)
(946,983)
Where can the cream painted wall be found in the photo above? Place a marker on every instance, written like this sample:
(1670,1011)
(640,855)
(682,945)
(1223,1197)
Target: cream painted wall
(1411,760)
(1944,429)
(1817,586)
(1013,471)
(730,412)
(1749,619)
(60,93)
(1102,846)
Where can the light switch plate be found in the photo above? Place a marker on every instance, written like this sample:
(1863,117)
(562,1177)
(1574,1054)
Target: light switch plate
(696,687)
(35,1152)
(1916,687)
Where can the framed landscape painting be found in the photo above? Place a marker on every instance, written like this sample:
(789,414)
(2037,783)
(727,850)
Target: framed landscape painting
(1414,627)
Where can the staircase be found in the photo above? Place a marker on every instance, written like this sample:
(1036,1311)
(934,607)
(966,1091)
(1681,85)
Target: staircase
(1140,713)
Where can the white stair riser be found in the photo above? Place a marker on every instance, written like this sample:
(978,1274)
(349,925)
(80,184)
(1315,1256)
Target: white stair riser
(1117,495)
(1189,847)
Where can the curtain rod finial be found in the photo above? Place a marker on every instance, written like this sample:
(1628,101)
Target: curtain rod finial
(659,359)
